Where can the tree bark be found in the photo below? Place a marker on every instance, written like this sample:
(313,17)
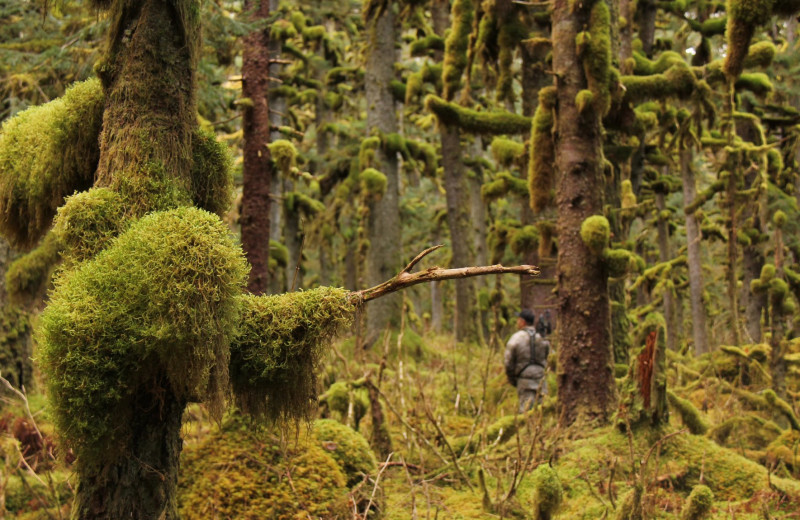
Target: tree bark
(585,362)
(383,225)
(257,170)
(695,266)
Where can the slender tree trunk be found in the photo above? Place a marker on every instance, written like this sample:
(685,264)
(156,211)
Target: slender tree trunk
(457,195)
(646,15)
(293,241)
(693,242)
(437,302)
(384,256)
(257,172)
(145,154)
(277,107)
(664,255)
(585,362)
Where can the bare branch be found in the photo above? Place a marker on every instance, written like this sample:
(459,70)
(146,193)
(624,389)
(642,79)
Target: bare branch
(419,257)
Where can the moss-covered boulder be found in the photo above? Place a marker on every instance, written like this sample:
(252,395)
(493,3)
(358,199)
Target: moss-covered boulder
(348,448)
(246,472)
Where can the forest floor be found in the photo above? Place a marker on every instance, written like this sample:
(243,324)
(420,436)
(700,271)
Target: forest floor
(458,450)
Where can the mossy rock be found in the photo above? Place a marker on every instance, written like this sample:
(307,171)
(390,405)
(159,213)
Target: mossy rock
(245,472)
(338,398)
(785,449)
(547,492)
(348,448)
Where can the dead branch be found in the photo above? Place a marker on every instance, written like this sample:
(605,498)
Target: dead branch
(434,274)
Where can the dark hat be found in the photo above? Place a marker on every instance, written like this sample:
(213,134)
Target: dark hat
(527,315)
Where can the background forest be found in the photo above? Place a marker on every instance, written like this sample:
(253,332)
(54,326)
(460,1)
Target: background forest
(644,155)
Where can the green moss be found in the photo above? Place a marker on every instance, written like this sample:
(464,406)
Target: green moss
(46,153)
(756,82)
(782,407)
(284,154)
(87,222)
(212,175)
(348,448)
(149,306)
(583,100)
(279,253)
(469,120)
(646,67)
(245,471)
(372,182)
(456,46)
(422,46)
(366,154)
(743,18)
(15,349)
(619,261)
(596,55)
(28,276)
(691,416)
(279,347)
(678,81)
(282,30)
(398,90)
(296,202)
(698,505)
(506,151)
(498,432)
(503,184)
(595,233)
(344,398)
(627,197)
(541,164)
(524,239)
(547,492)
(760,54)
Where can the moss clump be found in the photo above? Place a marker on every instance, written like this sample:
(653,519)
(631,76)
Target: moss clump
(646,67)
(760,54)
(547,492)
(628,198)
(541,164)
(503,184)
(698,505)
(595,50)
(373,183)
(279,347)
(524,239)
(595,233)
(159,303)
(456,46)
(46,153)
(283,153)
(15,347)
(691,416)
(619,261)
(278,253)
(244,471)
(469,120)
(296,202)
(506,152)
(422,46)
(212,178)
(743,18)
(27,277)
(342,398)
(87,222)
(678,81)
(782,407)
(348,448)
(498,432)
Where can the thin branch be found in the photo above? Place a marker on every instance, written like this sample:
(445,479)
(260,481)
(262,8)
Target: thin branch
(375,487)
(419,257)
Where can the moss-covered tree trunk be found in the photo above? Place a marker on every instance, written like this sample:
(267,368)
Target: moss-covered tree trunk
(383,226)
(585,363)
(664,255)
(693,253)
(257,172)
(145,154)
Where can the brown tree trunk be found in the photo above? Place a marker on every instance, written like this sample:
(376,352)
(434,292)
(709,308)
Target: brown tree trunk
(150,115)
(693,241)
(664,255)
(257,171)
(585,362)
(383,226)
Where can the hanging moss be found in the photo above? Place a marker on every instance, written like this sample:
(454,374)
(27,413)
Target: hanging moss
(760,54)
(503,184)
(594,47)
(152,305)
(423,46)
(547,492)
(756,82)
(372,182)
(46,153)
(473,121)
(28,276)
(524,239)
(284,154)
(456,46)
(212,176)
(245,471)
(87,222)
(366,154)
(698,505)
(541,164)
(15,350)
(678,81)
(595,233)
(398,90)
(512,32)
(620,261)
(425,152)
(691,416)
(627,197)
(279,348)
(348,448)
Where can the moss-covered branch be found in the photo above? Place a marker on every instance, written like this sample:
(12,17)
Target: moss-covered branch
(469,120)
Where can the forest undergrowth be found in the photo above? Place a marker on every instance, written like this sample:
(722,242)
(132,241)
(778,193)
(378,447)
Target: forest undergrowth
(417,428)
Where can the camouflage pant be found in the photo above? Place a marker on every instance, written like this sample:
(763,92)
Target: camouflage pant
(528,390)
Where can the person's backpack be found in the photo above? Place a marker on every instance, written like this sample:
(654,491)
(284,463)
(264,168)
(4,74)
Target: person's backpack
(540,349)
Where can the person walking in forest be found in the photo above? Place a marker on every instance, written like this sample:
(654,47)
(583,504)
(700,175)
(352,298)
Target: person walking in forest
(525,360)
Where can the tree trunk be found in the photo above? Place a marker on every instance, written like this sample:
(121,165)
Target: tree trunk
(664,256)
(693,241)
(257,171)
(141,485)
(457,195)
(585,362)
(384,256)
(145,154)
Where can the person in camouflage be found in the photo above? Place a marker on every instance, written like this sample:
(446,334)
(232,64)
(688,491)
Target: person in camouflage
(525,360)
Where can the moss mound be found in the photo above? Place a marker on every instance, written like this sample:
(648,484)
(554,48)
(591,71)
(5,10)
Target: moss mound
(212,178)
(348,448)
(46,153)
(243,472)
(277,352)
(160,301)
(88,221)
